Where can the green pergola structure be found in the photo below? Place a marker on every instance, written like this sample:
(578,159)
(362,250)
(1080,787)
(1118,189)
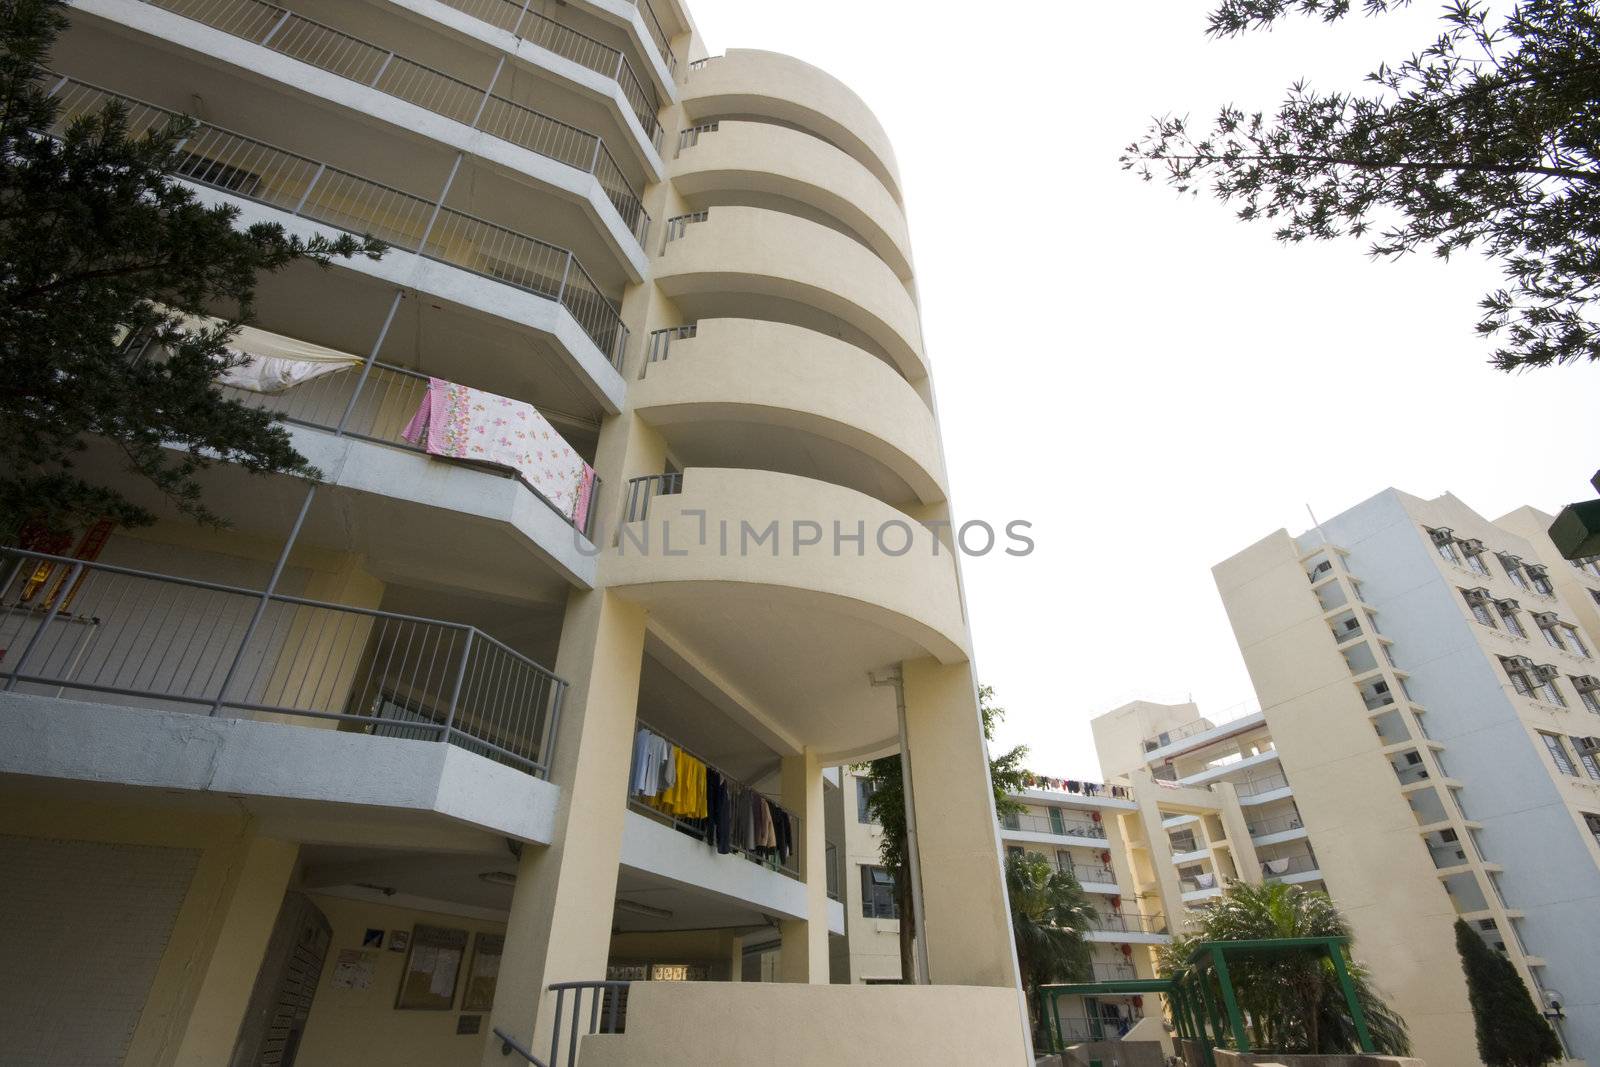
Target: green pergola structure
(1204,1006)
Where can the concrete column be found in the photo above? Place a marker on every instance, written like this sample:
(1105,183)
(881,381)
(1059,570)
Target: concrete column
(736,953)
(249,907)
(805,941)
(559,928)
(1238,833)
(963,890)
(1159,849)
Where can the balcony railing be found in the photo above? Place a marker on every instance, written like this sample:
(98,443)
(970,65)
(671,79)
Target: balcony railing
(1097,873)
(1199,726)
(1113,972)
(258,171)
(643,490)
(1281,824)
(661,343)
(1080,1030)
(379,408)
(297,37)
(1129,922)
(1274,869)
(678,225)
(1257,786)
(155,640)
(1039,824)
(568,43)
(658,34)
(690,135)
(697,829)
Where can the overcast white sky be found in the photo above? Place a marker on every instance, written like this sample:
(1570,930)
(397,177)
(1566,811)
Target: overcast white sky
(1152,384)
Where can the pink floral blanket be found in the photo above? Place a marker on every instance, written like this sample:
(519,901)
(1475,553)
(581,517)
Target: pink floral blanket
(464,423)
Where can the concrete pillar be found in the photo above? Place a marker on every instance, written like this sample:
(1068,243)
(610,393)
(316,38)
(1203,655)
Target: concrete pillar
(963,890)
(1237,830)
(736,955)
(559,927)
(1159,849)
(249,907)
(805,941)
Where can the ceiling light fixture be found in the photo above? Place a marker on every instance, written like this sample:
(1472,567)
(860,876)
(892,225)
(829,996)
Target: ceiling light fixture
(643,909)
(505,878)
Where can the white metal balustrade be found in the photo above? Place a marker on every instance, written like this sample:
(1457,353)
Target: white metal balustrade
(515,18)
(153,640)
(313,43)
(257,171)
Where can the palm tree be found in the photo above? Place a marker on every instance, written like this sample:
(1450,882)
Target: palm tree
(1049,915)
(1291,1002)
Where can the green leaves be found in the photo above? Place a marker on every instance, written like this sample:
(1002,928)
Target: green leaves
(99,245)
(1049,916)
(1486,139)
(1511,1031)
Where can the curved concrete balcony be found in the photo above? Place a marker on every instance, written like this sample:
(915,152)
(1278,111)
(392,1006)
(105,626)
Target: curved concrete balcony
(783,398)
(749,83)
(753,162)
(746,570)
(716,262)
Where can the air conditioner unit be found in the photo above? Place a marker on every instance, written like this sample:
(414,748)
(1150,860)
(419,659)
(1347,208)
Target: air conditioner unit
(1547,672)
(1546,618)
(1587,746)
(1472,546)
(1585,683)
(1507,605)
(1479,595)
(1521,663)
(1442,536)
(1535,570)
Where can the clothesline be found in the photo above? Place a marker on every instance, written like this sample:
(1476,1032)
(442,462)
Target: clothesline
(1078,788)
(724,813)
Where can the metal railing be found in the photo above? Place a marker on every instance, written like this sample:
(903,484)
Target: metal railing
(643,490)
(1273,869)
(257,171)
(1080,1030)
(1278,825)
(608,1006)
(1062,828)
(1199,726)
(70,625)
(696,828)
(1098,873)
(1131,922)
(1257,786)
(379,408)
(313,43)
(678,225)
(568,43)
(658,33)
(661,342)
(690,136)
(700,64)
(834,878)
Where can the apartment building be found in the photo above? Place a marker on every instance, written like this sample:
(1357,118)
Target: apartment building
(403,766)
(1428,685)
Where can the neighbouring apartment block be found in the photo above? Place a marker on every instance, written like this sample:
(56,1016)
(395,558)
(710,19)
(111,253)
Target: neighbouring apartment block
(632,484)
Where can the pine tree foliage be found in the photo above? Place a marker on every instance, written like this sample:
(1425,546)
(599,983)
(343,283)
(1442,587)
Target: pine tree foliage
(1511,1030)
(99,244)
(1487,138)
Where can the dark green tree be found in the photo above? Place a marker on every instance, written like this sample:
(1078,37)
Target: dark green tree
(1487,138)
(1511,1030)
(1291,1003)
(99,244)
(1050,913)
(888,809)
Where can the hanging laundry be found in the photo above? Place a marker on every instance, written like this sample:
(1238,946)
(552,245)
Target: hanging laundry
(651,754)
(460,422)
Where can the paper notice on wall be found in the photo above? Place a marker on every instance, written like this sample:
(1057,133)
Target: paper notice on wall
(354,969)
(444,974)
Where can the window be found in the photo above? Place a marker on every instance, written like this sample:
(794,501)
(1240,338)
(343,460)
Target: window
(1545,686)
(1549,629)
(877,894)
(1508,615)
(1057,824)
(1475,561)
(1558,753)
(1591,700)
(1574,643)
(1593,823)
(1447,551)
(1594,594)
(1540,580)
(1479,607)
(865,787)
(1519,678)
(1591,764)
(1513,569)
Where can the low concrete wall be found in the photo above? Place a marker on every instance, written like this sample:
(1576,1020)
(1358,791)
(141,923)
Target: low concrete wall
(721,1024)
(1293,1059)
(1115,1054)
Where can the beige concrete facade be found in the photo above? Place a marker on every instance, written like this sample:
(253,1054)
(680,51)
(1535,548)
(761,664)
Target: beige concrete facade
(364,761)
